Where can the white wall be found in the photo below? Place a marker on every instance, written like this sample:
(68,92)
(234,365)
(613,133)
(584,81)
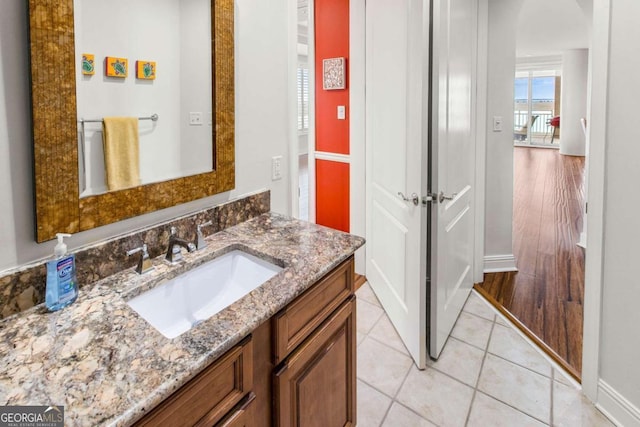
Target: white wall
(575,67)
(149,30)
(261,127)
(196,149)
(619,344)
(501,61)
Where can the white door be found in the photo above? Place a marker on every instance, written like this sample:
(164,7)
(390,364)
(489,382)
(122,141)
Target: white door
(453,149)
(396,134)
(398,146)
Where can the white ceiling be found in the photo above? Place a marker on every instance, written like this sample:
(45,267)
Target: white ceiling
(548,27)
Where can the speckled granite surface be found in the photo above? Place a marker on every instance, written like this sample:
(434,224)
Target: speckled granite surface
(23,288)
(108,366)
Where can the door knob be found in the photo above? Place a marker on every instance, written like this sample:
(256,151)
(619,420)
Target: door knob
(442,197)
(413,199)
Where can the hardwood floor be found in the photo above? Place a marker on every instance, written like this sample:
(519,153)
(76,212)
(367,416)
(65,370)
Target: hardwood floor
(546,294)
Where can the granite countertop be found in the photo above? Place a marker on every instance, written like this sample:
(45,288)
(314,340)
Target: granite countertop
(108,366)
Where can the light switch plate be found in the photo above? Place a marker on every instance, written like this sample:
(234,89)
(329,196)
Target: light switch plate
(342,112)
(276,168)
(497,123)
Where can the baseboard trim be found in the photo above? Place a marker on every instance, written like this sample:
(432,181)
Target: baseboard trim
(499,263)
(359,280)
(616,407)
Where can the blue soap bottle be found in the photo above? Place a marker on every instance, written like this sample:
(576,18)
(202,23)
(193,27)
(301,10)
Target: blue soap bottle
(62,288)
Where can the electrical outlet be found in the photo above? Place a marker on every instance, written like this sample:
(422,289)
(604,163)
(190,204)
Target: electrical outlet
(276,168)
(195,119)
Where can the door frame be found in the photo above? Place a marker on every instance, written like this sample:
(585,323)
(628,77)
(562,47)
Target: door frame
(596,174)
(597,131)
(293,151)
(357,127)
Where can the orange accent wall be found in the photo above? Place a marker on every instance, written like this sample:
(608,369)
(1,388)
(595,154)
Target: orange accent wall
(331,41)
(332,194)
(332,135)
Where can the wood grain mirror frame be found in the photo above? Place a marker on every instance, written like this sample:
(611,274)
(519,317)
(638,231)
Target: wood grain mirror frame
(55,131)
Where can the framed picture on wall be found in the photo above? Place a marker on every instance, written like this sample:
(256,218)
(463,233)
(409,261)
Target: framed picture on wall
(333,74)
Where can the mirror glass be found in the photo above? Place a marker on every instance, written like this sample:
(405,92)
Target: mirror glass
(165,47)
(194,73)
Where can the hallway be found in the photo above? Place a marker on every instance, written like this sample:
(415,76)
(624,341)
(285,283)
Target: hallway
(546,294)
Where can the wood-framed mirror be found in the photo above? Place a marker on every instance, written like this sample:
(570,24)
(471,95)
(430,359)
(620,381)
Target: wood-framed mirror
(58,206)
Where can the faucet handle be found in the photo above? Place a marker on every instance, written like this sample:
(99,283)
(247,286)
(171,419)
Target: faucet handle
(144,264)
(200,242)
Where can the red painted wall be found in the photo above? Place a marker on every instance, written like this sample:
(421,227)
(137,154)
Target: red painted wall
(331,41)
(332,135)
(332,194)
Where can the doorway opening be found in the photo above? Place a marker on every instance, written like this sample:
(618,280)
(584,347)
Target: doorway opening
(304,113)
(544,297)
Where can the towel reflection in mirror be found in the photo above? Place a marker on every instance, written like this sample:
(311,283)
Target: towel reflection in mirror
(121,152)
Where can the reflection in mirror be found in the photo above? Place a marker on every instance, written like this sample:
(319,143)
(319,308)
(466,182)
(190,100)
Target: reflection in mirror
(58,205)
(176,35)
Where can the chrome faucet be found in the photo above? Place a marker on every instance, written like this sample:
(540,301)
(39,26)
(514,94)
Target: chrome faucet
(144,263)
(174,253)
(200,242)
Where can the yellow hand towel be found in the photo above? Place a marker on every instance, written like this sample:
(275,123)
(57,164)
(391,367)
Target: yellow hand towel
(121,152)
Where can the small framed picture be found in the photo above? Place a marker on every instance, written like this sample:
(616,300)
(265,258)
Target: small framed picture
(88,64)
(116,67)
(333,74)
(145,70)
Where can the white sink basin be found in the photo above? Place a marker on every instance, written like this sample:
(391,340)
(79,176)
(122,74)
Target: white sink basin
(179,304)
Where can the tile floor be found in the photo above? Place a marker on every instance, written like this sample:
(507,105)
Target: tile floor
(487,375)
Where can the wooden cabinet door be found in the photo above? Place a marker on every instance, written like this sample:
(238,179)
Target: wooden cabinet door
(211,394)
(316,385)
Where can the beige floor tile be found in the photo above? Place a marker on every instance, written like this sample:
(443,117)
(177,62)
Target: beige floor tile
(381,366)
(472,330)
(360,337)
(384,332)
(487,411)
(460,360)
(372,405)
(399,416)
(571,408)
(508,344)
(477,305)
(563,378)
(517,386)
(367,315)
(436,397)
(502,321)
(366,293)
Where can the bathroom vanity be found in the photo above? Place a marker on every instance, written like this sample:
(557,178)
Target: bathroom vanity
(284,354)
(307,350)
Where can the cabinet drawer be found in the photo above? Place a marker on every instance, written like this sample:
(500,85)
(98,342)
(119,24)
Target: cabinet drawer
(211,394)
(308,311)
(316,385)
(239,417)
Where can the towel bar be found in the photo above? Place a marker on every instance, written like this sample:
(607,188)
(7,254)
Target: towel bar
(153,118)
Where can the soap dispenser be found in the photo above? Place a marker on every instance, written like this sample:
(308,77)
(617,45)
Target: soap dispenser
(62,288)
